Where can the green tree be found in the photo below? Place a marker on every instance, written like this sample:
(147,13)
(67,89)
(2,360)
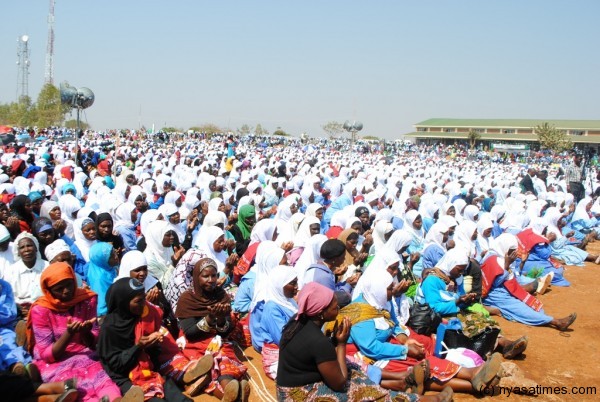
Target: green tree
(333,129)
(259,130)
(244,130)
(171,130)
(280,132)
(473,136)
(370,137)
(49,111)
(208,128)
(552,138)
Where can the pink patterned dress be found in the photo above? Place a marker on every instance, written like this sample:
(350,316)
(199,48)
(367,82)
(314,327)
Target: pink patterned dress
(78,359)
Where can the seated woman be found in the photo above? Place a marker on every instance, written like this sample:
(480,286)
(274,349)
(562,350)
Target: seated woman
(377,335)
(279,307)
(181,279)
(102,272)
(204,311)
(242,229)
(561,250)
(535,262)
(134,265)
(126,216)
(159,252)
(51,210)
(313,365)
(24,275)
(105,233)
(435,245)
(413,225)
(443,290)
(136,352)
(13,358)
(62,333)
(501,289)
(583,220)
(352,257)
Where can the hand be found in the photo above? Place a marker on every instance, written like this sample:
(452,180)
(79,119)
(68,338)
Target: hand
(401,287)
(360,258)
(219,310)
(59,226)
(571,233)
(232,260)
(86,326)
(510,258)
(12,223)
(414,257)
(402,338)
(353,279)
(153,295)
(74,327)
(342,332)
(287,246)
(179,252)
(230,245)
(150,340)
(415,351)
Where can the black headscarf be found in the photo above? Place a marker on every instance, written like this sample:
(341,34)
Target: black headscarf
(104,216)
(115,239)
(117,333)
(18,208)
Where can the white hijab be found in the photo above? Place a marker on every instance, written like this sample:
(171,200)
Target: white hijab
(268,256)
(311,255)
(280,276)
(133,260)
(81,242)
(205,245)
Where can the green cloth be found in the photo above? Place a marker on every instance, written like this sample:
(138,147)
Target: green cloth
(245,212)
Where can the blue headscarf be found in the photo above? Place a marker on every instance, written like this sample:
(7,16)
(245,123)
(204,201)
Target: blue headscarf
(100,274)
(67,187)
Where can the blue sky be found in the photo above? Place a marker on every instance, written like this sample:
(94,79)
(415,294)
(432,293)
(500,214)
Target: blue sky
(297,65)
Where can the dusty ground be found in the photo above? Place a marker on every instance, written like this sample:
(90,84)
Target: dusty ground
(553,359)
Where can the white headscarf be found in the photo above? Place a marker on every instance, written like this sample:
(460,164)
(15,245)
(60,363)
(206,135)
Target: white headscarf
(155,233)
(280,276)
(463,234)
(81,242)
(303,235)
(580,210)
(398,240)
(310,256)
(133,260)
(454,257)
(268,256)
(436,235)
(263,230)
(374,289)
(205,245)
(123,215)
(552,217)
(418,235)
(382,260)
(482,225)
(502,244)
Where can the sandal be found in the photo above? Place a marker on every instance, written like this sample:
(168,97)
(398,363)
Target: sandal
(202,366)
(70,384)
(516,348)
(133,394)
(447,395)
(566,326)
(417,377)
(197,386)
(543,284)
(231,391)
(70,395)
(488,373)
(19,369)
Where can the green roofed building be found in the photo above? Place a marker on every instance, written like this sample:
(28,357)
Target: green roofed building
(517,132)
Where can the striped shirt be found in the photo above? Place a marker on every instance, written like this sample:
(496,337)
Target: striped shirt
(574,173)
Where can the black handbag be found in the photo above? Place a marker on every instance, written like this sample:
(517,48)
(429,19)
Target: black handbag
(482,344)
(423,320)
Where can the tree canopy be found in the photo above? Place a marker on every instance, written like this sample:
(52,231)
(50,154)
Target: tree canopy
(552,138)
(333,129)
(473,137)
(207,128)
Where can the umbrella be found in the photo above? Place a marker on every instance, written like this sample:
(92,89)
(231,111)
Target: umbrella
(5,129)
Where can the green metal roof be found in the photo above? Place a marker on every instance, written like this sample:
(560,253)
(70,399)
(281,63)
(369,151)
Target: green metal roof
(511,123)
(578,139)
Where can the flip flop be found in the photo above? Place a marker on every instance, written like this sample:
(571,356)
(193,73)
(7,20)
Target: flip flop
(488,373)
(197,386)
(417,377)
(202,366)
(68,396)
(516,348)
(572,318)
(543,284)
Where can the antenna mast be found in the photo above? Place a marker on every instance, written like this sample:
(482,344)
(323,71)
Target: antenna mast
(23,63)
(49,76)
